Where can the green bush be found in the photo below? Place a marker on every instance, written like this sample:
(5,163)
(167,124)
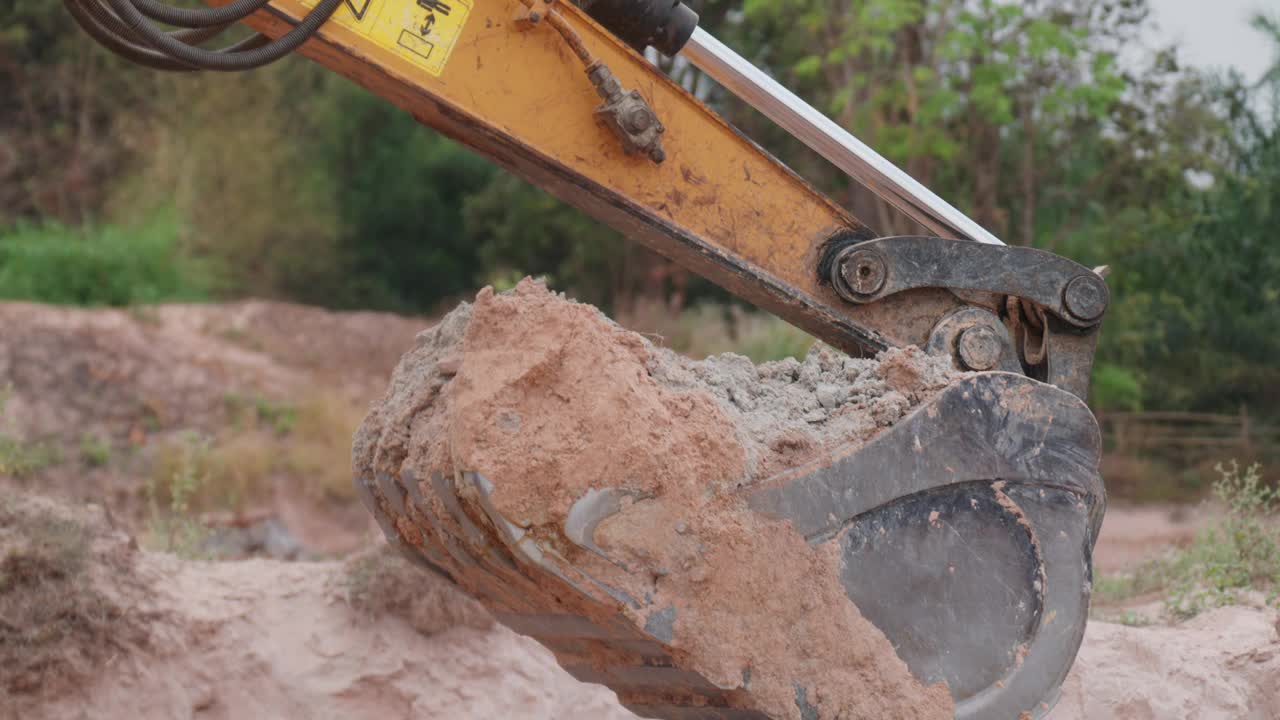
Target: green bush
(1240,554)
(107,265)
(95,450)
(1235,559)
(1116,388)
(178,478)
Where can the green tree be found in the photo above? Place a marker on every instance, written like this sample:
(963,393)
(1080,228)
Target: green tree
(400,190)
(977,99)
(1226,265)
(58,117)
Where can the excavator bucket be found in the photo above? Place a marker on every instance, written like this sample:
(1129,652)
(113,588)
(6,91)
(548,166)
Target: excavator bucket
(964,534)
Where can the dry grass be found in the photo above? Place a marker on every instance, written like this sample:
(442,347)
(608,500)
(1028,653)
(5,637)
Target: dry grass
(378,583)
(55,627)
(308,444)
(318,452)
(19,458)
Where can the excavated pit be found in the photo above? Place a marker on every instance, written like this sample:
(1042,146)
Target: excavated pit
(550,400)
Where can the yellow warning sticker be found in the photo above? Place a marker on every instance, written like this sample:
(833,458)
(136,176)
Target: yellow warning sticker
(423,32)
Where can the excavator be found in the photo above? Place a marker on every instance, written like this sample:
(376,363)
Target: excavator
(567,95)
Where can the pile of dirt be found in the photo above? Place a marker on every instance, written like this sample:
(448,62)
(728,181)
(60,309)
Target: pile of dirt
(92,626)
(1133,534)
(70,597)
(112,397)
(1223,665)
(125,373)
(261,639)
(120,375)
(549,400)
(354,349)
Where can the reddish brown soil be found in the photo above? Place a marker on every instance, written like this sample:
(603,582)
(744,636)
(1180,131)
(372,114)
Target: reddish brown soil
(551,400)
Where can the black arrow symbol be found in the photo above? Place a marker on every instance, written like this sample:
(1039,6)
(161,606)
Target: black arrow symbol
(364,8)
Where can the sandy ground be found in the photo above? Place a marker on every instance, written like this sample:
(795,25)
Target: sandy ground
(1222,665)
(1132,534)
(264,639)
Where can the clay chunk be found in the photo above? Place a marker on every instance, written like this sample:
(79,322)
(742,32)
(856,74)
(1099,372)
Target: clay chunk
(556,465)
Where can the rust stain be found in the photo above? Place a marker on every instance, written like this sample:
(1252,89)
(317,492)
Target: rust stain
(690,176)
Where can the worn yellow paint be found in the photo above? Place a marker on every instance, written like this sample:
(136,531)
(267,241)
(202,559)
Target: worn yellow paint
(522,97)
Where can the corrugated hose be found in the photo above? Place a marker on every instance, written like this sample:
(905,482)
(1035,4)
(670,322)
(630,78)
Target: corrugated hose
(128,28)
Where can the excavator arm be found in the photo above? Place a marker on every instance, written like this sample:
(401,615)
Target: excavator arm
(518,93)
(563,97)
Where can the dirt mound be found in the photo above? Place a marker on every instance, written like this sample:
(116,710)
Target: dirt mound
(261,639)
(1223,665)
(115,399)
(117,374)
(1131,535)
(549,400)
(70,597)
(122,372)
(358,349)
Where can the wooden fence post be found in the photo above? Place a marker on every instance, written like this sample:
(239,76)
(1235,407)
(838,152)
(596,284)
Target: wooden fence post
(1246,440)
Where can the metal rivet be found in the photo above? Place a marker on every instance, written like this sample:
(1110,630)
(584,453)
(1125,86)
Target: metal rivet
(1086,297)
(979,348)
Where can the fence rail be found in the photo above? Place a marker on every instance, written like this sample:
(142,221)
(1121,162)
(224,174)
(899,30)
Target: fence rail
(1170,456)
(1182,434)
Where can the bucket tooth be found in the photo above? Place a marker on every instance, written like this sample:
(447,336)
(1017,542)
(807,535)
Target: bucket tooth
(588,512)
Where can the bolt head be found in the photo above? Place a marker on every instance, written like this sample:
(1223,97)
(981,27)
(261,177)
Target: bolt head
(979,348)
(640,120)
(864,272)
(1086,297)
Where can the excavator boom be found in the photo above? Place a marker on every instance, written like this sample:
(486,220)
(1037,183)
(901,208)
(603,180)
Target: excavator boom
(562,95)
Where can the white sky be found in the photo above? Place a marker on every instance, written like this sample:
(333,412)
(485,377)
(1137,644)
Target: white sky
(1216,33)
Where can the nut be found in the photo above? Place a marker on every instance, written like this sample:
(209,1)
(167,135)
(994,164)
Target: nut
(640,120)
(979,348)
(1086,297)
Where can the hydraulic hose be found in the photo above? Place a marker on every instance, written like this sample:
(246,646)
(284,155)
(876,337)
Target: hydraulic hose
(225,60)
(106,34)
(103,25)
(110,22)
(199,18)
(125,28)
